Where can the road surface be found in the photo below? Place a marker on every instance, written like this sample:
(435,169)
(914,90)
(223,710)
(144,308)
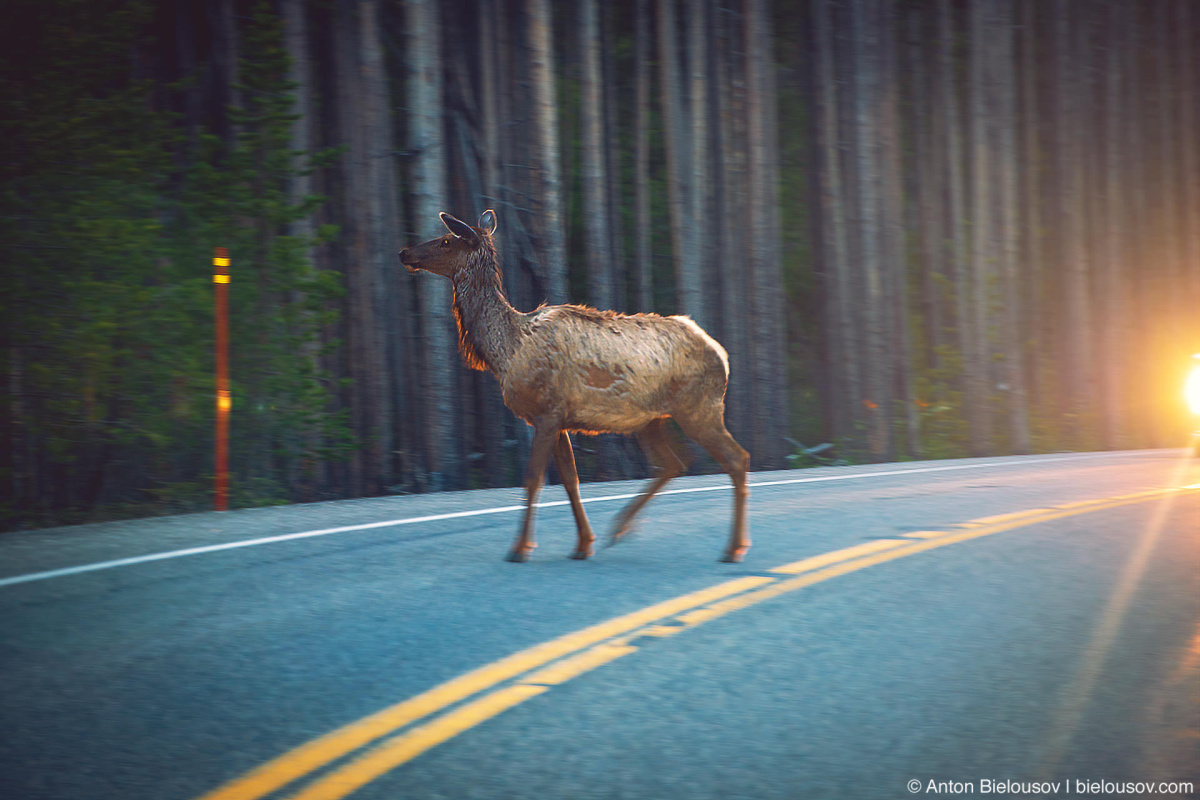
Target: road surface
(1009,627)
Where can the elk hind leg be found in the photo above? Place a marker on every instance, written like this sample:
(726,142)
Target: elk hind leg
(544,439)
(665,458)
(564,456)
(710,433)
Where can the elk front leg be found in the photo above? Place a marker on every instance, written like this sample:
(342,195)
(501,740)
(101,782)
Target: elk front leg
(564,456)
(544,438)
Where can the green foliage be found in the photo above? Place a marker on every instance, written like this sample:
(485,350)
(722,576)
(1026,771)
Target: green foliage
(237,195)
(942,420)
(106,248)
(84,166)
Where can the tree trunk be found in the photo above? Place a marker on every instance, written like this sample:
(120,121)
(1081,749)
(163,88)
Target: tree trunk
(948,98)
(677,141)
(613,150)
(224,65)
(845,389)
(677,144)
(359,321)
(927,185)
(643,267)
(382,218)
(731,199)
(1185,30)
(866,30)
(1113,332)
(597,235)
(897,399)
(978,394)
(427,144)
(1010,264)
(770,365)
(1072,255)
(307,472)
(550,219)
(295,31)
(697,273)
(1032,220)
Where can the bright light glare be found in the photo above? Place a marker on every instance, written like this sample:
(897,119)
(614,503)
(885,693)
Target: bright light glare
(1192,390)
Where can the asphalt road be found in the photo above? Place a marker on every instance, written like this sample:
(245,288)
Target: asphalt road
(947,641)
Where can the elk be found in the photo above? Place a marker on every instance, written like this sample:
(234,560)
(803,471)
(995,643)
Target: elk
(573,369)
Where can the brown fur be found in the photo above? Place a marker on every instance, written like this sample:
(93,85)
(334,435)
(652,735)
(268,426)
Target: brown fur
(568,368)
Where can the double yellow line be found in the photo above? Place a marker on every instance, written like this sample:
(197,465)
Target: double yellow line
(389,738)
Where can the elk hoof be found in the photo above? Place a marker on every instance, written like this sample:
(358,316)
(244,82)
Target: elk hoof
(581,555)
(517,556)
(733,557)
(619,532)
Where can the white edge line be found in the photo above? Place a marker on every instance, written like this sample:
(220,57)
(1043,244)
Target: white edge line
(287,537)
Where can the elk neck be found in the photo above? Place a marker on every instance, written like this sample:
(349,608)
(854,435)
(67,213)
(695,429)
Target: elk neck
(487,323)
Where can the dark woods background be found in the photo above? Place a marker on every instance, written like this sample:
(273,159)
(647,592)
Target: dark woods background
(921,229)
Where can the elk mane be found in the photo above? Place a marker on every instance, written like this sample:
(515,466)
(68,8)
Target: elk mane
(483,266)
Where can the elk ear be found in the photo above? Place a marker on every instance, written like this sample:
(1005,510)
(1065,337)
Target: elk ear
(487,222)
(459,228)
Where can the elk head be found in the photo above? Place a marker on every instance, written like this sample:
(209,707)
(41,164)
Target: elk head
(446,254)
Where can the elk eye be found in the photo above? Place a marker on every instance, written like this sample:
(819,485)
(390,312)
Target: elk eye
(445,242)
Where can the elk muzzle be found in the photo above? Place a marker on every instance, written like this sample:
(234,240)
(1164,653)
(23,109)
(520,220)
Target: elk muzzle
(409,262)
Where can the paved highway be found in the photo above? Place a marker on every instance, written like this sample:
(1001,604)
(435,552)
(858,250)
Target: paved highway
(1007,627)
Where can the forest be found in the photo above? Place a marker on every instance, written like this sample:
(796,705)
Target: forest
(921,229)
